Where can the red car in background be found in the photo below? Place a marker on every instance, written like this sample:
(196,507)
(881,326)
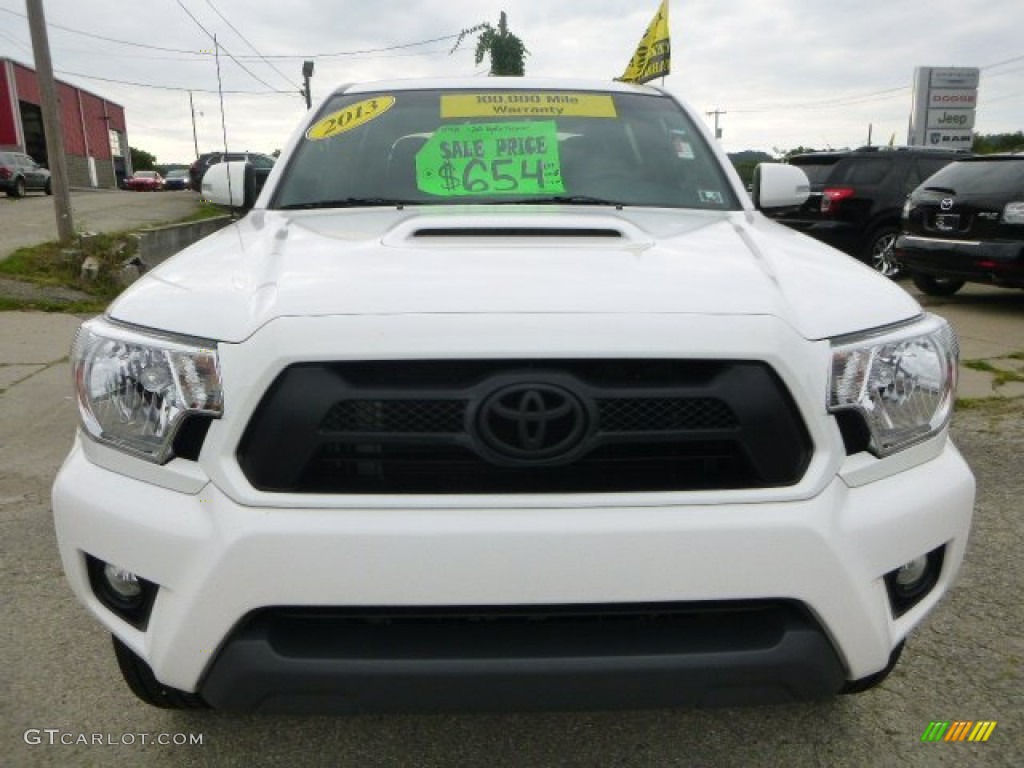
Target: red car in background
(145,181)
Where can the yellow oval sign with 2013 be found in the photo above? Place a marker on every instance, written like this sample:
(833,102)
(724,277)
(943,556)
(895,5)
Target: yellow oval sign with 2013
(350,117)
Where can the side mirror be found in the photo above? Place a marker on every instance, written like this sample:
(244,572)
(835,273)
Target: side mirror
(779,186)
(231,185)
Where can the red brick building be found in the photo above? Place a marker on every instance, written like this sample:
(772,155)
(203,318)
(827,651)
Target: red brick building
(95,133)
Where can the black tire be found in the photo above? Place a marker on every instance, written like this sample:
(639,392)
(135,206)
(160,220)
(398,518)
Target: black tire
(936,286)
(19,188)
(48,189)
(880,252)
(144,684)
(871,681)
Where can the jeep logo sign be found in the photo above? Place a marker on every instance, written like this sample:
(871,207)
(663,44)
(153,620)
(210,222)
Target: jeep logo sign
(951,118)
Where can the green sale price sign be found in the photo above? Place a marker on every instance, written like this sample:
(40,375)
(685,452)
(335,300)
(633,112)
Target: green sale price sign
(491,159)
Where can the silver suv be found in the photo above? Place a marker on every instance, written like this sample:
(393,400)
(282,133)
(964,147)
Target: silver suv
(19,173)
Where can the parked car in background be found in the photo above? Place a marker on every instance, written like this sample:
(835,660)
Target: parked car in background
(965,224)
(198,168)
(176,179)
(506,396)
(19,174)
(857,197)
(145,181)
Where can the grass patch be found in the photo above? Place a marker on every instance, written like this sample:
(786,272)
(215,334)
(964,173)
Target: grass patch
(47,265)
(1000,376)
(96,307)
(995,406)
(204,211)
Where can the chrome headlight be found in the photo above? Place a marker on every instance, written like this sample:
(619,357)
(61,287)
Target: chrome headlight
(134,388)
(901,380)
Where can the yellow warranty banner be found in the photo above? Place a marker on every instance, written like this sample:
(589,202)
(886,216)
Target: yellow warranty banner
(519,104)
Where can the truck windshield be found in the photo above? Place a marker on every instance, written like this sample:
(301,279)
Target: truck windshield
(501,146)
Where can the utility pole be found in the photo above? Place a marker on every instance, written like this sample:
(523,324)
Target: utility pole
(715,114)
(195,137)
(51,122)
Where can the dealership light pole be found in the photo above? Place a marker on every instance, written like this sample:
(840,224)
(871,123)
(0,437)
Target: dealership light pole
(307,72)
(51,121)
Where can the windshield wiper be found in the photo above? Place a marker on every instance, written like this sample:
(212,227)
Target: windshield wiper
(351,202)
(559,200)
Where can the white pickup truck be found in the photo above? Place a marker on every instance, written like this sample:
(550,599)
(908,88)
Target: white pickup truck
(504,395)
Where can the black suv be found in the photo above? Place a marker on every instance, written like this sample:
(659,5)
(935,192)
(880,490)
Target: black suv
(857,197)
(198,168)
(966,224)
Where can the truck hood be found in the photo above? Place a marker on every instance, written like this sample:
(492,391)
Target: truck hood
(504,260)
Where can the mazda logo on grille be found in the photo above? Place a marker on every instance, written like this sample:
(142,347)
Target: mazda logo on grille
(532,421)
(946,203)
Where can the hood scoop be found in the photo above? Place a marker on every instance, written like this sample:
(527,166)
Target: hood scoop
(514,232)
(528,228)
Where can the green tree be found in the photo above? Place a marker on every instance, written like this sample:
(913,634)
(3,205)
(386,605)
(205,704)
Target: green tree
(785,154)
(986,144)
(142,160)
(507,51)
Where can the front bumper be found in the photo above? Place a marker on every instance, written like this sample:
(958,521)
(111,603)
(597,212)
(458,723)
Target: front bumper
(220,565)
(981,261)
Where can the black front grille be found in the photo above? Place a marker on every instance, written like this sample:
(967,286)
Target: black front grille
(511,426)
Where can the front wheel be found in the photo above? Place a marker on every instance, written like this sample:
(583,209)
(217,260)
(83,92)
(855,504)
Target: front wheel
(936,286)
(48,189)
(881,251)
(143,683)
(18,190)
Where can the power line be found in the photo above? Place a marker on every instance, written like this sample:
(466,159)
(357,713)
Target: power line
(172,87)
(221,47)
(297,56)
(235,30)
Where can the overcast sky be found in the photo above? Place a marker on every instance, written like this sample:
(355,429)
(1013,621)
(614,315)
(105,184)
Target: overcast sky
(785,72)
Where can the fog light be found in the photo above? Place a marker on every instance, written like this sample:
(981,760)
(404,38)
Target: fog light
(122,582)
(125,593)
(909,575)
(912,581)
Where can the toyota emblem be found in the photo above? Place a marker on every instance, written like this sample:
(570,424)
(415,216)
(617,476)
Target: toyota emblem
(532,421)
(946,204)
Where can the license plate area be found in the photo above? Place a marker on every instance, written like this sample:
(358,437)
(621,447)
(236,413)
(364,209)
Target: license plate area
(947,222)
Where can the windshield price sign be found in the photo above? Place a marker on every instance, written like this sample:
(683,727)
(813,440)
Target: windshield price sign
(491,159)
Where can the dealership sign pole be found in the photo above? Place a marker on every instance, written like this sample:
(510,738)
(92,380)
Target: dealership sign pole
(945,99)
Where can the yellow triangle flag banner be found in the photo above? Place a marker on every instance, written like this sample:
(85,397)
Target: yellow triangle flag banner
(652,55)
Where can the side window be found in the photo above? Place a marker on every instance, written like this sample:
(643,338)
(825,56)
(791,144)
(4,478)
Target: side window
(867,170)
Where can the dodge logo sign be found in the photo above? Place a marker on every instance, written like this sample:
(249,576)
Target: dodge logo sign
(535,422)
